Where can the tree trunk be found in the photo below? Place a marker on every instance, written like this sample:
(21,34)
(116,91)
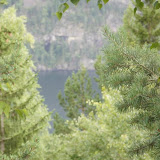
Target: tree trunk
(2,134)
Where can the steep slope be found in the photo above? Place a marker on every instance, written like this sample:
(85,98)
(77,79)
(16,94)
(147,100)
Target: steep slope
(74,40)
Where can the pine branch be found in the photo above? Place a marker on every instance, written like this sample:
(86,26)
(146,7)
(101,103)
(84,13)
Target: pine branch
(111,35)
(145,146)
(32,130)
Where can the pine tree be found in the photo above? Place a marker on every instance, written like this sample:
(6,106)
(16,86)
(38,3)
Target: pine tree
(23,114)
(60,126)
(135,72)
(77,91)
(106,136)
(143,23)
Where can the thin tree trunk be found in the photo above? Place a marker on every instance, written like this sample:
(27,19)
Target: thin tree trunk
(82,109)
(2,133)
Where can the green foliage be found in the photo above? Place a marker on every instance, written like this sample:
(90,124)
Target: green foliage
(23,114)
(4,108)
(59,15)
(3,2)
(134,70)
(142,23)
(75,2)
(27,151)
(31,150)
(106,136)
(59,125)
(65,6)
(139,5)
(77,91)
(157,5)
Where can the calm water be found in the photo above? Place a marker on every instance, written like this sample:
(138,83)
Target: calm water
(53,82)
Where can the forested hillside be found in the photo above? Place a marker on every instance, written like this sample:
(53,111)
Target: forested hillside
(123,124)
(74,40)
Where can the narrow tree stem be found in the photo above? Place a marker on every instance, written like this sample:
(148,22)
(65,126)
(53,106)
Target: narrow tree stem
(2,134)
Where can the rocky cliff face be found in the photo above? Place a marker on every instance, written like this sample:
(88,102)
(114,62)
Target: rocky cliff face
(76,39)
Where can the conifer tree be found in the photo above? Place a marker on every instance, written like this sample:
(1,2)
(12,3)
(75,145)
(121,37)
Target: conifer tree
(106,136)
(60,126)
(23,114)
(77,91)
(135,72)
(143,22)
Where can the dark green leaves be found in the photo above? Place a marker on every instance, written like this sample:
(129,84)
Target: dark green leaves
(139,4)
(75,2)
(105,1)
(62,8)
(66,7)
(158,80)
(100,5)
(101,2)
(59,15)
(135,10)
(3,2)
(155,45)
(156,5)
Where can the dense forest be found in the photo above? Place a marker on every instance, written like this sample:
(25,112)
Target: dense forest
(73,41)
(120,124)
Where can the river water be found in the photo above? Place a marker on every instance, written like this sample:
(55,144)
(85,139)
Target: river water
(53,82)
